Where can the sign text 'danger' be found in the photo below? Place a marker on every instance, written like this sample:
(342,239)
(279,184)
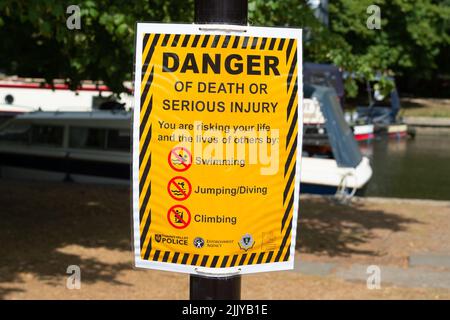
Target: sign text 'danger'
(233,64)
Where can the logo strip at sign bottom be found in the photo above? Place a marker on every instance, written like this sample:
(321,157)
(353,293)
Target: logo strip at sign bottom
(160,245)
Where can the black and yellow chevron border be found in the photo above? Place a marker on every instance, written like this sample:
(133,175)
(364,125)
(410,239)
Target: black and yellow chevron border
(291,149)
(150,42)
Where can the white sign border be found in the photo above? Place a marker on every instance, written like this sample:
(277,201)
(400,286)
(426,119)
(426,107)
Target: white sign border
(143,28)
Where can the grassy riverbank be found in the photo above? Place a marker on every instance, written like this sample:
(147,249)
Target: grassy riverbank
(425,107)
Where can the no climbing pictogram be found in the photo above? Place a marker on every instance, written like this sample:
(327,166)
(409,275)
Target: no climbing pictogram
(179,217)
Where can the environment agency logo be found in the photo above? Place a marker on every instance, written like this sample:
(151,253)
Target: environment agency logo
(246,242)
(199,242)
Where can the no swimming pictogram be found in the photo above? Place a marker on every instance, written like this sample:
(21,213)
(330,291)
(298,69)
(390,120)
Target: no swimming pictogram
(180,159)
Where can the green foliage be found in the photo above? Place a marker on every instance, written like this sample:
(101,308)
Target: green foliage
(36,41)
(412,35)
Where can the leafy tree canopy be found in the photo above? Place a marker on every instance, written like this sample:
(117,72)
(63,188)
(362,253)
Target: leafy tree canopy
(37,43)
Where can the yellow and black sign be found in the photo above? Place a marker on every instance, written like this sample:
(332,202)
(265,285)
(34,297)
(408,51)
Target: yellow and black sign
(216,151)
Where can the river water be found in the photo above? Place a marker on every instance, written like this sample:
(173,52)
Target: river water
(410,168)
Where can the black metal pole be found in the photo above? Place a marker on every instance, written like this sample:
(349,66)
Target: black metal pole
(218,12)
(215,288)
(221,11)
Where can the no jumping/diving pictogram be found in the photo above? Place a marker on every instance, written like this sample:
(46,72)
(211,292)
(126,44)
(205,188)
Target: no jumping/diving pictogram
(179,188)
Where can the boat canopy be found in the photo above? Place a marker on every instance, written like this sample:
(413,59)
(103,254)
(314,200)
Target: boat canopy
(381,109)
(343,144)
(327,75)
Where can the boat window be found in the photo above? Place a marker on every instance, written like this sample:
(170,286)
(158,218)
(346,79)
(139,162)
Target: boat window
(47,135)
(119,140)
(17,133)
(90,138)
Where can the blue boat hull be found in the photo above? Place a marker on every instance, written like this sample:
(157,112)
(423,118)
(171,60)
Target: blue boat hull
(307,188)
(317,189)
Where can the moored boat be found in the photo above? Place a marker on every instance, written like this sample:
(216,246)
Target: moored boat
(95,147)
(35,95)
(383,113)
(329,75)
(72,146)
(363,132)
(332,161)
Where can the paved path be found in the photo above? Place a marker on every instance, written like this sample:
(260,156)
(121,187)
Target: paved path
(427,121)
(88,225)
(424,271)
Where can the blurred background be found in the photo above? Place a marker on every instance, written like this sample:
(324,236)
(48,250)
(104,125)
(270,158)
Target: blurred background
(375,182)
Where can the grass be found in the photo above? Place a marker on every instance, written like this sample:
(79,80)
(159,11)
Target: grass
(425,107)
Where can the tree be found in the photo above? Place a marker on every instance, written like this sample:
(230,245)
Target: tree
(411,38)
(409,43)
(36,42)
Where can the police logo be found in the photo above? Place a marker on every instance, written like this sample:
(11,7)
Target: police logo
(171,239)
(246,242)
(199,242)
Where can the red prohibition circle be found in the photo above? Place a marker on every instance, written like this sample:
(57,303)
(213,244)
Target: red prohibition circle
(185,166)
(185,194)
(185,222)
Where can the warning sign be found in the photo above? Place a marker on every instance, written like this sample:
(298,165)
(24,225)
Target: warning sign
(216,149)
